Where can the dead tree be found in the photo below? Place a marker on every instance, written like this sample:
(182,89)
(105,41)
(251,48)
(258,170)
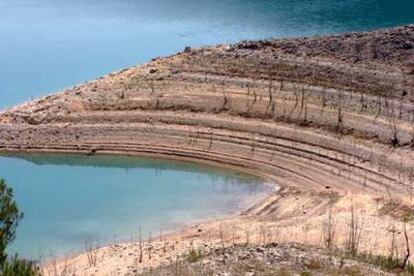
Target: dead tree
(150,246)
(210,145)
(91,251)
(328,231)
(339,122)
(394,132)
(250,107)
(226,103)
(323,101)
(270,104)
(354,234)
(140,246)
(404,262)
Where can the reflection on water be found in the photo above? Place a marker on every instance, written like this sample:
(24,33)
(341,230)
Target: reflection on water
(51,44)
(68,197)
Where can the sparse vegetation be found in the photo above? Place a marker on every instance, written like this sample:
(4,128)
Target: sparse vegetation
(271,259)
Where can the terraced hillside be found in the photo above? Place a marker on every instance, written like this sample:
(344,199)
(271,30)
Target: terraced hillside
(302,111)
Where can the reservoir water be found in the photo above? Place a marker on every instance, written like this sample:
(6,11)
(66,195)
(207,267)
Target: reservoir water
(67,199)
(47,45)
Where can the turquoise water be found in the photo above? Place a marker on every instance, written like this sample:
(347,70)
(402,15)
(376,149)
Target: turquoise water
(47,45)
(68,198)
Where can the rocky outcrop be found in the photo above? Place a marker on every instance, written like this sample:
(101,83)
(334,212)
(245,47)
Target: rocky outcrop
(272,259)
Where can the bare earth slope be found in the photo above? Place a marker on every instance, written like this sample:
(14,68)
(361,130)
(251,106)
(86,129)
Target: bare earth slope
(329,116)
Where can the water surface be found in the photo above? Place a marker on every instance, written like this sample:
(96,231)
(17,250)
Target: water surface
(47,45)
(69,198)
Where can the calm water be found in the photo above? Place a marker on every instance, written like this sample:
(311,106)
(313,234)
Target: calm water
(67,198)
(47,45)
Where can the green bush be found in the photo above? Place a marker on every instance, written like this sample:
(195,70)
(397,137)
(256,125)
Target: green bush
(10,216)
(194,255)
(9,219)
(16,266)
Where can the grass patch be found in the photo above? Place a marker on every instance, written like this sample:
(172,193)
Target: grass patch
(386,263)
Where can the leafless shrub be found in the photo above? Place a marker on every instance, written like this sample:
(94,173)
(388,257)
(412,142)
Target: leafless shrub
(302,99)
(363,103)
(64,269)
(210,145)
(410,180)
(379,104)
(394,132)
(323,101)
(160,236)
(393,245)
(253,144)
(296,93)
(400,110)
(121,95)
(52,268)
(150,246)
(190,138)
(226,103)
(328,229)
(221,236)
(91,251)
(270,105)
(407,246)
(247,232)
(233,234)
(262,238)
(340,117)
(176,266)
(354,233)
(250,107)
(140,245)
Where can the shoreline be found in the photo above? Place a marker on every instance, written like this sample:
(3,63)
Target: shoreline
(248,203)
(267,179)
